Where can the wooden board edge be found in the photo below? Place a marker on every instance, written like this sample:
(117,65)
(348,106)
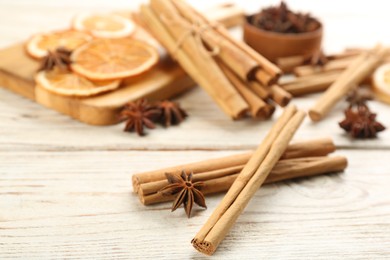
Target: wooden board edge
(17,85)
(105,115)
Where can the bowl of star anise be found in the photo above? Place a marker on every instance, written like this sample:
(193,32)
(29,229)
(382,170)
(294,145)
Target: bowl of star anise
(277,32)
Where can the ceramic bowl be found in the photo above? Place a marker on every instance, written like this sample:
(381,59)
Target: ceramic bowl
(273,45)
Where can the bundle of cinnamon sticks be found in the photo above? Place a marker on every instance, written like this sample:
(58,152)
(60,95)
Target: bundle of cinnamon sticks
(301,159)
(318,78)
(252,176)
(240,80)
(358,70)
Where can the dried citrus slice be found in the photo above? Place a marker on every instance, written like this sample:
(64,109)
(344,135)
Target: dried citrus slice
(104,25)
(109,59)
(70,84)
(39,45)
(381,82)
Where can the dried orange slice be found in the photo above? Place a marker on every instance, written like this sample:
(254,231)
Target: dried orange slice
(70,84)
(104,25)
(39,45)
(109,59)
(381,82)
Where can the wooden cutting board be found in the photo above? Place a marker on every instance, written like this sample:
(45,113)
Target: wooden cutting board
(164,81)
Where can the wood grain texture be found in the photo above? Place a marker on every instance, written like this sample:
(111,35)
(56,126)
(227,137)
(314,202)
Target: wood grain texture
(206,128)
(69,209)
(65,187)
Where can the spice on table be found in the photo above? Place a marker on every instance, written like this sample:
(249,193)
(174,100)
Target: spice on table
(359,97)
(187,191)
(139,114)
(359,121)
(282,20)
(171,113)
(59,58)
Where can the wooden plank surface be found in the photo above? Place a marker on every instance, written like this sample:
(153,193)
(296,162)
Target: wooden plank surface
(207,128)
(79,205)
(65,187)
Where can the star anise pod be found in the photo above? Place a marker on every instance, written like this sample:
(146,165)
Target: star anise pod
(359,97)
(171,113)
(282,20)
(361,123)
(139,114)
(185,190)
(60,58)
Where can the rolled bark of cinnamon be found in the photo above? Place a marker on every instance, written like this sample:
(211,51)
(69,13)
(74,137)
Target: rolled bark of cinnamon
(280,96)
(248,181)
(356,72)
(260,90)
(310,84)
(271,70)
(283,170)
(310,148)
(288,64)
(338,64)
(257,107)
(198,64)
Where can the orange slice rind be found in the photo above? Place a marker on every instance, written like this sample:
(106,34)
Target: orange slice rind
(104,25)
(40,44)
(381,82)
(70,84)
(111,59)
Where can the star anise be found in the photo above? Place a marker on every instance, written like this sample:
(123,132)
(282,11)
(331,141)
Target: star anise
(361,123)
(60,58)
(171,113)
(359,97)
(139,114)
(185,190)
(282,20)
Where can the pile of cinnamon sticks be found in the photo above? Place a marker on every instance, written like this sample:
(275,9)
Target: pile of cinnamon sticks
(241,175)
(318,78)
(314,78)
(358,70)
(252,176)
(301,159)
(240,80)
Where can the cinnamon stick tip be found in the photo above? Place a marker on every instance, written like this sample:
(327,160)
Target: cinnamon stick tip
(204,247)
(241,114)
(141,198)
(285,101)
(135,182)
(343,161)
(315,115)
(266,112)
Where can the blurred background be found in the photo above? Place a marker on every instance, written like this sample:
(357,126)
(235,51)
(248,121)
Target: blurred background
(368,18)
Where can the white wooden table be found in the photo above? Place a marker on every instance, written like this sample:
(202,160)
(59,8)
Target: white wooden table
(65,187)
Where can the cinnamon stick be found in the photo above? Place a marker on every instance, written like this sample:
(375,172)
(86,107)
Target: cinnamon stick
(257,107)
(316,147)
(262,91)
(288,64)
(265,65)
(357,71)
(280,96)
(332,65)
(310,84)
(198,64)
(248,181)
(283,170)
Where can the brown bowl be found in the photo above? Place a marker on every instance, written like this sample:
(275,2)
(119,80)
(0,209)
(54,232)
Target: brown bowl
(273,45)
